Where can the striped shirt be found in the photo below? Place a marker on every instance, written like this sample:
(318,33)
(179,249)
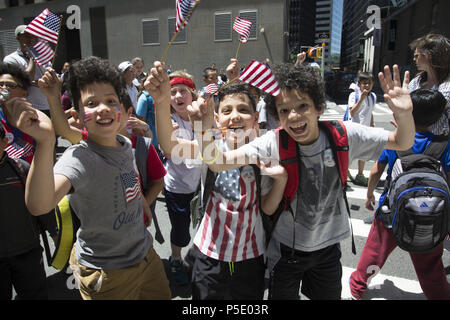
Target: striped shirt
(231,229)
(441,126)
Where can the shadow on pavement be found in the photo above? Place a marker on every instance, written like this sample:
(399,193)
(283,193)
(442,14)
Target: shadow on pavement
(387,290)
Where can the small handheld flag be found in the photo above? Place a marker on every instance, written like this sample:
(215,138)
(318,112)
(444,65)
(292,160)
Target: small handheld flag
(260,76)
(45,26)
(184,10)
(212,88)
(42,52)
(242,27)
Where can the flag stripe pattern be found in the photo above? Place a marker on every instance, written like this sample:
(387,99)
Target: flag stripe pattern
(242,27)
(45,26)
(260,76)
(16,151)
(231,229)
(183,7)
(42,52)
(211,88)
(131,185)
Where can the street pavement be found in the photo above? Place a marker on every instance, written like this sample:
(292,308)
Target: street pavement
(396,281)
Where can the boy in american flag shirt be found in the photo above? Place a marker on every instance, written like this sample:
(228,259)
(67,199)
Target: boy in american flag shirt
(229,243)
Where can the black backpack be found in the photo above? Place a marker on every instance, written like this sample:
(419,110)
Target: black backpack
(416,206)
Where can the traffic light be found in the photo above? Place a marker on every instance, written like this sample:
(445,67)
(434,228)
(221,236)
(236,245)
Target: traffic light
(315,52)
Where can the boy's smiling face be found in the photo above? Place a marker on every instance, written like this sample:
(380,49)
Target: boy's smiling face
(102,112)
(236,114)
(298,115)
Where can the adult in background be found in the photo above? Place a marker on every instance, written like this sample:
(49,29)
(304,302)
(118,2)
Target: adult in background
(138,65)
(21,58)
(432,57)
(127,71)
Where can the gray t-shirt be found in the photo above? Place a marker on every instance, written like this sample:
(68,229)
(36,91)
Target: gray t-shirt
(106,198)
(320,213)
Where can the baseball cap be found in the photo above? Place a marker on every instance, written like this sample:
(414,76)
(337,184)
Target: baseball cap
(20,29)
(123,66)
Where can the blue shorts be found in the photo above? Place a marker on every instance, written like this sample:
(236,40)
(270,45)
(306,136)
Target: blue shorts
(178,206)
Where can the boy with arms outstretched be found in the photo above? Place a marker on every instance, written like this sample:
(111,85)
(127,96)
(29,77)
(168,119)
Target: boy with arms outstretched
(113,256)
(305,242)
(229,242)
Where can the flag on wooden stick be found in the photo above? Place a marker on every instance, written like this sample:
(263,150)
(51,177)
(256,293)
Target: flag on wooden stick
(184,9)
(45,26)
(260,76)
(242,27)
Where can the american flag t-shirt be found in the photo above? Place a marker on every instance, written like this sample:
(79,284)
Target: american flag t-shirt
(131,185)
(45,26)
(231,229)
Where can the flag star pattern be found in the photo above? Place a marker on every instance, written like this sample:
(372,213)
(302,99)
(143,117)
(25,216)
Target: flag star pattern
(183,7)
(242,27)
(45,26)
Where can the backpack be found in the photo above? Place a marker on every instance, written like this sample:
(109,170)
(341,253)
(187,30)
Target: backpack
(416,205)
(143,145)
(347,115)
(288,149)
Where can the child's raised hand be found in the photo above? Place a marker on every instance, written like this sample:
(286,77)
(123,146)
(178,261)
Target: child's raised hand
(233,70)
(157,84)
(50,84)
(300,58)
(396,95)
(21,114)
(202,110)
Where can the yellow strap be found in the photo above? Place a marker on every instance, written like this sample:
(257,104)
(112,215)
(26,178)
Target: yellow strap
(65,236)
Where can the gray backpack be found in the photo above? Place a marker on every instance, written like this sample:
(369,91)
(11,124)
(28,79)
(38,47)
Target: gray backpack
(417,202)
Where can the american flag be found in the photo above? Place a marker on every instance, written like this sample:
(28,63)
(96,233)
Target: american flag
(42,52)
(45,26)
(242,27)
(212,88)
(131,185)
(260,76)
(183,11)
(19,149)
(231,229)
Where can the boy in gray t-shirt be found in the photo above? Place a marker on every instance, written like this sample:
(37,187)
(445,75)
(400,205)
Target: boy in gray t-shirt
(113,257)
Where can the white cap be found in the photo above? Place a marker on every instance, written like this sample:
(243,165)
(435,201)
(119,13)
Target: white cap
(123,66)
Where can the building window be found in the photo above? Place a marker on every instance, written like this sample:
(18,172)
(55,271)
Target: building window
(222,26)
(251,15)
(181,36)
(150,32)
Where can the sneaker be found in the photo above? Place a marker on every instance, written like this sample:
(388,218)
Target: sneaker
(350,177)
(360,180)
(178,272)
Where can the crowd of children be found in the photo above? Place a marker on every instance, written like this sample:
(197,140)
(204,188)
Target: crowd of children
(135,135)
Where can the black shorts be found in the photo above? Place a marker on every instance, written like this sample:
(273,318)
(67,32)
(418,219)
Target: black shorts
(320,273)
(219,280)
(178,206)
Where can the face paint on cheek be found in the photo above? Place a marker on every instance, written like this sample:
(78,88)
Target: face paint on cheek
(119,112)
(87,116)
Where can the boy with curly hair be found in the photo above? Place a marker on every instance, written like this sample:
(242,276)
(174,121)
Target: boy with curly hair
(304,247)
(113,257)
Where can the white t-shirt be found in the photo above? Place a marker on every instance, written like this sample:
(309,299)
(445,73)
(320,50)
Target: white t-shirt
(364,114)
(182,175)
(133,93)
(321,217)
